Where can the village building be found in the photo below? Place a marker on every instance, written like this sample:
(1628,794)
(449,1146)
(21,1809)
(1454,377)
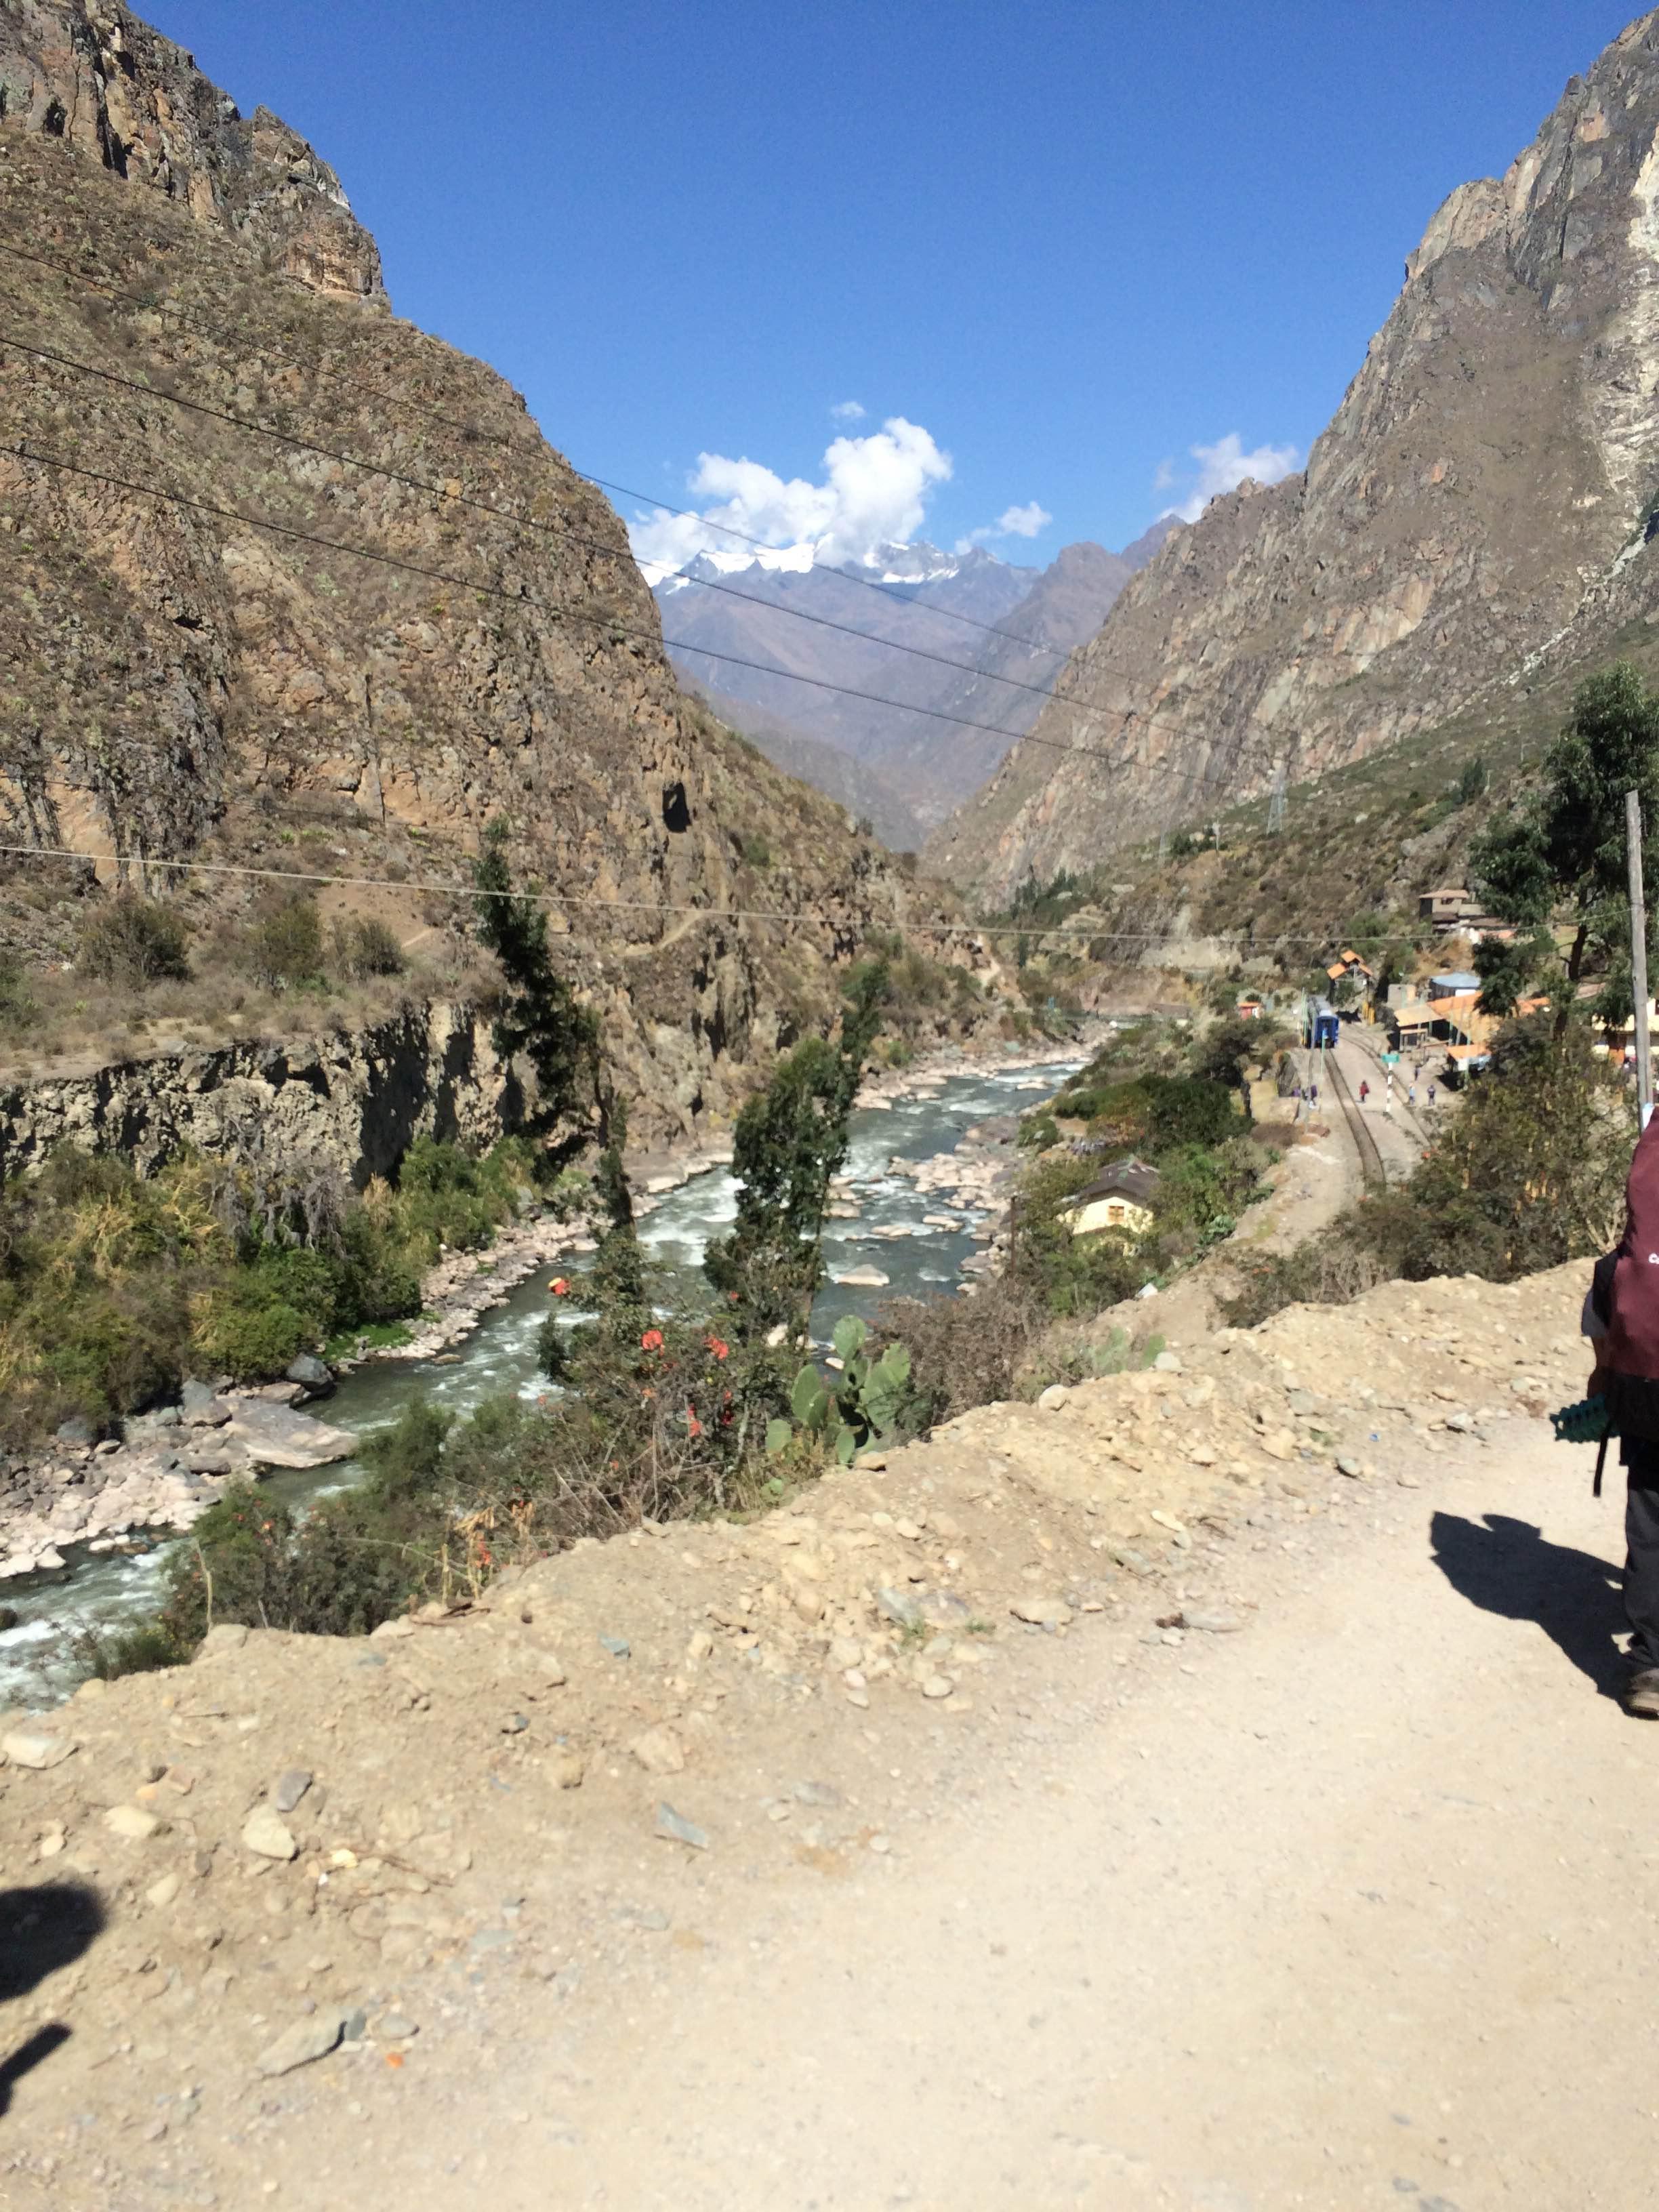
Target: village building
(1456,913)
(1411,1025)
(1119,1197)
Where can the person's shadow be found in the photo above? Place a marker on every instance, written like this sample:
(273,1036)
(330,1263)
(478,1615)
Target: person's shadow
(1504,1566)
(41,1928)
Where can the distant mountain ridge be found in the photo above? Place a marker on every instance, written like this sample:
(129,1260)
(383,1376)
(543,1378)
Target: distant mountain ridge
(956,673)
(1476,515)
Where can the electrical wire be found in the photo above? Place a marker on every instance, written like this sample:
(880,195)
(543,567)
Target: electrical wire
(469,435)
(607,622)
(1033,929)
(12,344)
(1149,722)
(148,303)
(864,583)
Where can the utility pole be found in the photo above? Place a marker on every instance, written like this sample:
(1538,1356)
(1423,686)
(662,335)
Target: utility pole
(1638,956)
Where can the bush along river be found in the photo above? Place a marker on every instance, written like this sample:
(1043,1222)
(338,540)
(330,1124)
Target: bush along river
(910,1218)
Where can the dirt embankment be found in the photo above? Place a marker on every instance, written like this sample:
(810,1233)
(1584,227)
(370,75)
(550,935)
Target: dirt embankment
(310,1841)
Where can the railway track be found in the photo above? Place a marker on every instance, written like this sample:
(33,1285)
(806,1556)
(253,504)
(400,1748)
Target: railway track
(1370,1159)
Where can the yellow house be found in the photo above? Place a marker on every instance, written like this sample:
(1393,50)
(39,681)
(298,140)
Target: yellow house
(1120,1198)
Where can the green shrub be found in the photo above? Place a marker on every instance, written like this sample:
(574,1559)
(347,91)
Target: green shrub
(142,1648)
(254,1342)
(19,1008)
(364,947)
(378,1281)
(964,1351)
(1327,1270)
(407,1457)
(1038,1132)
(285,945)
(134,940)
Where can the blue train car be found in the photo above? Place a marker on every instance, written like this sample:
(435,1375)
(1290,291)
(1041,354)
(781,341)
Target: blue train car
(1323,1026)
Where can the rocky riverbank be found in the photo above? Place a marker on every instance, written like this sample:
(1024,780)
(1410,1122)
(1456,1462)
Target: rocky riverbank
(162,1474)
(968,1187)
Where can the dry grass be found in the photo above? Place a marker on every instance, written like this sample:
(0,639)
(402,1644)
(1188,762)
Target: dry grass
(69,1022)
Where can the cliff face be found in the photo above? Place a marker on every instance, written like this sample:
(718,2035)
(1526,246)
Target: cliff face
(355,1101)
(311,666)
(123,96)
(1479,502)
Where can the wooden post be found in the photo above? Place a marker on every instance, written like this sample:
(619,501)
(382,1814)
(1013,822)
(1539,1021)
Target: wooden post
(1639,956)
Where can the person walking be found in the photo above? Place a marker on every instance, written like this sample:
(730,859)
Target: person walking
(1364,1091)
(1411,1098)
(1431,1095)
(1621,1319)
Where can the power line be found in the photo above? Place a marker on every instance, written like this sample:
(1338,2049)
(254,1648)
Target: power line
(616,628)
(471,434)
(148,303)
(864,583)
(409,889)
(482,506)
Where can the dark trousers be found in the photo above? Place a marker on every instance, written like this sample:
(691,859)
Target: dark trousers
(1641,1459)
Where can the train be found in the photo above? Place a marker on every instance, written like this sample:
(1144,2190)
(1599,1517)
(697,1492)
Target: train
(1324,1025)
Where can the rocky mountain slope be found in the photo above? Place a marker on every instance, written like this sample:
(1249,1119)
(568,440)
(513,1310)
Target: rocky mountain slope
(867,794)
(1478,509)
(994,681)
(232,641)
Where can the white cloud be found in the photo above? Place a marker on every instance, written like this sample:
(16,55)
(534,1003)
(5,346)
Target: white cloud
(1027,521)
(1223,467)
(874,492)
(847,410)
(1166,476)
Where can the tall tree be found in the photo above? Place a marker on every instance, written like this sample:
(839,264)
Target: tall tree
(791,1139)
(1565,850)
(540,1015)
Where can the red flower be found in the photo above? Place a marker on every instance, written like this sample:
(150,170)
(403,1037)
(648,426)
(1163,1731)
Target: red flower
(719,1346)
(558,1286)
(692,1423)
(651,1340)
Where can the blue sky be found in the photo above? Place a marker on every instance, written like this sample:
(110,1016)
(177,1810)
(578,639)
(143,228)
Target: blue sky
(1068,244)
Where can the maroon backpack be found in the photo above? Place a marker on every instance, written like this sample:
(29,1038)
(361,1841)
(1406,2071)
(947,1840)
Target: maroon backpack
(1629,1351)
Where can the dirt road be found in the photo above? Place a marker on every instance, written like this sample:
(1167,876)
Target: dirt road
(1353,1909)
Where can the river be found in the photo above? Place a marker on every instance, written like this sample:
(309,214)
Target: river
(38,1662)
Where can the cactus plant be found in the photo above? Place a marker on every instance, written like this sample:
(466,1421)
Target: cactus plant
(863,1402)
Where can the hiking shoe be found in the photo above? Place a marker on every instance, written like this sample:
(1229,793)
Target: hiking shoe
(1642,1694)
